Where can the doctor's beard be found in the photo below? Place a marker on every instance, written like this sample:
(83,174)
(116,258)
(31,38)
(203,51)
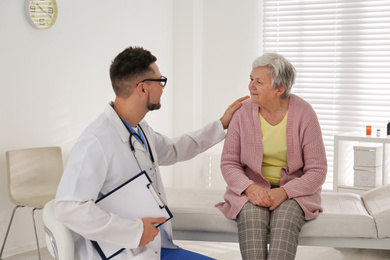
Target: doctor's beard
(152,106)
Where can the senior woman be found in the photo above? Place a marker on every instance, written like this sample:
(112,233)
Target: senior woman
(273,162)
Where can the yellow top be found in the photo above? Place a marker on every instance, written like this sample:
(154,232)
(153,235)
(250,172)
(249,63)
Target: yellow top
(274,149)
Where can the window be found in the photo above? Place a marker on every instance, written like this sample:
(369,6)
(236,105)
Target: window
(341,51)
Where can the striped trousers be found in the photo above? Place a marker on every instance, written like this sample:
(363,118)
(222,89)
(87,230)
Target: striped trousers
(282,226)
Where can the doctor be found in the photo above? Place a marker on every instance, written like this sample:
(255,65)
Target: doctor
(107,154)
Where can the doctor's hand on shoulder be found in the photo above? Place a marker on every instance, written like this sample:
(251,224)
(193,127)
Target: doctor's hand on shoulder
(150,230)
(227,116)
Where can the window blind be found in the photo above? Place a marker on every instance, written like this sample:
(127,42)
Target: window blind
(341,51)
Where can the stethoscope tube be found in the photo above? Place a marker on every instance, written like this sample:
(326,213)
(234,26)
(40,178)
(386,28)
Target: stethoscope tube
(142,139)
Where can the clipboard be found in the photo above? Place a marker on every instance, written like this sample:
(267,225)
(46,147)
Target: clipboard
(136,198)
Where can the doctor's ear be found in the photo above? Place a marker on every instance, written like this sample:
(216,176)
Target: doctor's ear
(140,88)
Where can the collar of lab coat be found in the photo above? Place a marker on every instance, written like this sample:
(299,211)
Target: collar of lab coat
(117,122)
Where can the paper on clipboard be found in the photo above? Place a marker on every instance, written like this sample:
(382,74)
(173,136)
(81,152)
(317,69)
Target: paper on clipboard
(136,198)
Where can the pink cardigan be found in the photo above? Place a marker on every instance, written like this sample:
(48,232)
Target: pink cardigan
(242,158)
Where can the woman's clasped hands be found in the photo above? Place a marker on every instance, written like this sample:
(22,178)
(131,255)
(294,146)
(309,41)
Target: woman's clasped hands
(265,198)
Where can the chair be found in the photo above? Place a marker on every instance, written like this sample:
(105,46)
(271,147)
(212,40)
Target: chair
(59,239)
(33,178)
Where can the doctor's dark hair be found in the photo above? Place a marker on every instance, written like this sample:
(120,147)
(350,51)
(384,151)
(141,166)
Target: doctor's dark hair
(128,68)
(282,71)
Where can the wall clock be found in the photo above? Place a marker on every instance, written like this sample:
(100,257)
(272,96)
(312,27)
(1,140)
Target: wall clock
(41,14)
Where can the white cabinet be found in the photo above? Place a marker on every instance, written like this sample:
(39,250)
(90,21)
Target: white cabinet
(344,173)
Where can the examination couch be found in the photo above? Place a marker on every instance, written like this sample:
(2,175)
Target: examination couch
(348,220)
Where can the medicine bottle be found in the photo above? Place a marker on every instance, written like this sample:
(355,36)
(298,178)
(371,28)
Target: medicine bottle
(388,128)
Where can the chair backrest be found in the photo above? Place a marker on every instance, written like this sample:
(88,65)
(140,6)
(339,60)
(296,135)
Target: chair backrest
(33,175)
(59,239)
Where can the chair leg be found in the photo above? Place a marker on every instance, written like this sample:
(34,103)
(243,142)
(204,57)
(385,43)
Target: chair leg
(53,242)
(36,234)
(9,226)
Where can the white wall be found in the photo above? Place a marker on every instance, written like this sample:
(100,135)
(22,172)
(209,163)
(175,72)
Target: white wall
(215,43)
(55,82)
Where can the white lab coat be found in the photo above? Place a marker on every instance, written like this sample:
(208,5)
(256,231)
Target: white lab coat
(102,160)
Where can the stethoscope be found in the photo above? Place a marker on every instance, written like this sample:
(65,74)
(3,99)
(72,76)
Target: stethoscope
(140,137)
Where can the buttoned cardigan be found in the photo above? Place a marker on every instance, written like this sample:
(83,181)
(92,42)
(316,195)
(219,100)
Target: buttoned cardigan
(242,157)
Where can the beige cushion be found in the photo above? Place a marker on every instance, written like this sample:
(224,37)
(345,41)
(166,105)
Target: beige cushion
(344,214)
(193,210)
(377,202)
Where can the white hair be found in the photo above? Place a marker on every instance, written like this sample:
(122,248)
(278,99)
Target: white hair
(282,71)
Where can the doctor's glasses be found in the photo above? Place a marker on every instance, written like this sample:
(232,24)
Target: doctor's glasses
(163,81)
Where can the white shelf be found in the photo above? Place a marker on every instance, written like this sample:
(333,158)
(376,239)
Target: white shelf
(343,174)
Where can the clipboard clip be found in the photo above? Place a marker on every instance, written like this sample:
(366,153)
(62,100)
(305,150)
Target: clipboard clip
(156,195)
